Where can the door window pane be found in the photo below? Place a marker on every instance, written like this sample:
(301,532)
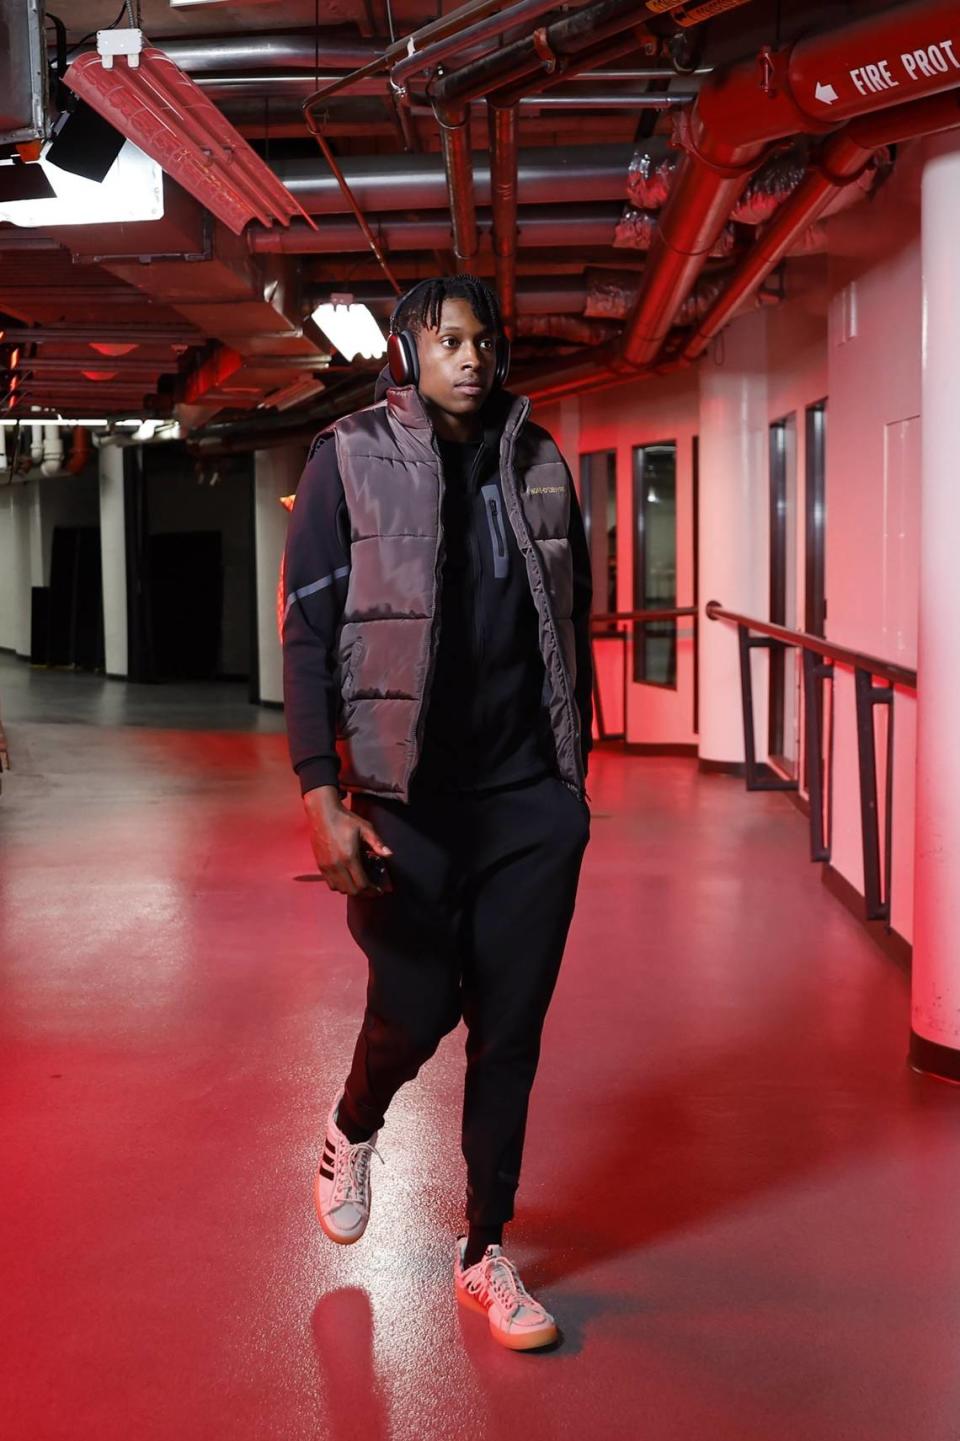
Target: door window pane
(655,560)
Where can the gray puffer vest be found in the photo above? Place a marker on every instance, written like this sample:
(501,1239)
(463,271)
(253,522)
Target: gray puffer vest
(393,486)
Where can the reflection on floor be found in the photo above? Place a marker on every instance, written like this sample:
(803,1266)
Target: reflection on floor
(738,1199)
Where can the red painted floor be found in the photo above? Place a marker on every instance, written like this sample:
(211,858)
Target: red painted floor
(740,1202)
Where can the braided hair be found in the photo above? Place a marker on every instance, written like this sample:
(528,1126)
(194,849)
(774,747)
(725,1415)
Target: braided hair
(422,306)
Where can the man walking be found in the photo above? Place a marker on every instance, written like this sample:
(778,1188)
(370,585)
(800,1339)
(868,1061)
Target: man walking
(437,669)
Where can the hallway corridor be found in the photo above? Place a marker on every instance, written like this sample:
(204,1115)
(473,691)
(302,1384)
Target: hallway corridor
(738,1199)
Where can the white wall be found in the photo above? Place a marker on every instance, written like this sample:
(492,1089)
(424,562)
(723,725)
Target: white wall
(849,332)
(21,557)
(113,559)
(873,496)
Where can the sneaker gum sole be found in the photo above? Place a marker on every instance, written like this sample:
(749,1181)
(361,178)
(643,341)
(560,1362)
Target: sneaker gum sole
(520,1341)
(337,1236)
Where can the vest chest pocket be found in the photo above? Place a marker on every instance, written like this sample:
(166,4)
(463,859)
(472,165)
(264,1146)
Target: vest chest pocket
(546,504)
(493,508)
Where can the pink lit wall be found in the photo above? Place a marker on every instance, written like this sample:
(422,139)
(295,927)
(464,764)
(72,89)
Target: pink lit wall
(618,420)
(849,332)
(873,494)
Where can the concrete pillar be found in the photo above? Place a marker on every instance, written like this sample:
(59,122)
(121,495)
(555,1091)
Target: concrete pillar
(734,528)
(8,594)
(276,474)
(935,1037)
(113,559)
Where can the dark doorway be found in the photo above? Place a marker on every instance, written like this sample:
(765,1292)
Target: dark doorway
(815,542)
(784,714)
(186,603)
(67,620)
(815,608)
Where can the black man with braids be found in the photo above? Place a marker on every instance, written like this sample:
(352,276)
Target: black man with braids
(437,676)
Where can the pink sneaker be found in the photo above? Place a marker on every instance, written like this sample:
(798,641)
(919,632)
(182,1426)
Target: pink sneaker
(492,1285)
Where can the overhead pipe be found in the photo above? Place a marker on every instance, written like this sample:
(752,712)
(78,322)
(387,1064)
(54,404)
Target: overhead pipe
(251,88)
(744,109)
(546,49)
(80,450)
(576,226)
(555,295)
(52,450)
(437,29)
(491,27)
(740,113)
(102,334)
(351,200)
(584,68)
(296,48)
(591,172)
(503,195)
(840,162)
(450,96)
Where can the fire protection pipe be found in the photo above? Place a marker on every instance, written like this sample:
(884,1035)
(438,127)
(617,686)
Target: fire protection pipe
(739,112)
(840,162)
(862,67)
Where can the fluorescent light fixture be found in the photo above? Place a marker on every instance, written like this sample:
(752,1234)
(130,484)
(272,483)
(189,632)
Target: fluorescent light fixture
(351,328)
(131,190)
(145,95)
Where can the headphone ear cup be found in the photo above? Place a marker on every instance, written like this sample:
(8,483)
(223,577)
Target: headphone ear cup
(503,361)
(402,358)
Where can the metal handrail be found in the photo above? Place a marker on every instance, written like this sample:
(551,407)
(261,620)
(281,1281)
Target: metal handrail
(859,660)
(819,658)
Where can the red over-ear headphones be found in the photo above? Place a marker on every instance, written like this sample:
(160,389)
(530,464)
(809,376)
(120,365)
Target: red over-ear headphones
(402,358)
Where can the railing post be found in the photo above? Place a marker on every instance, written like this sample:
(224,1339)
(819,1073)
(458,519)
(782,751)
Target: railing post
(868,695)
(758,777)
(746,699)
(813,672)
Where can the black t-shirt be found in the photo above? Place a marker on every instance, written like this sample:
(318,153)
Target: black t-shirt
(486,724)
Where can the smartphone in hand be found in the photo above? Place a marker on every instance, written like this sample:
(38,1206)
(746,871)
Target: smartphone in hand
(376,869)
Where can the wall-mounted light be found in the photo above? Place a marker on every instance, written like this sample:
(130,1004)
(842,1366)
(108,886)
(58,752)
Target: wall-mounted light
(351,328)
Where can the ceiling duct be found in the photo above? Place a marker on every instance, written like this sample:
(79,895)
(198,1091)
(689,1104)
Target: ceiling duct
(145,96)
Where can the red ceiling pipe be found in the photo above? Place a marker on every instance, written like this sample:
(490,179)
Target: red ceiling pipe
(860,68)
(503,197)
(840,162)
(80,451)
(543,50)
(623,43)
(491,27)
(738,113)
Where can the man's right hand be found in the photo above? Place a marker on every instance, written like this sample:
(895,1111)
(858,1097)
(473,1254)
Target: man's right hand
(336,836)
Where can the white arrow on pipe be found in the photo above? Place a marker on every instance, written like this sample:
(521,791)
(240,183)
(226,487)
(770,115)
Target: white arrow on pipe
(826,94)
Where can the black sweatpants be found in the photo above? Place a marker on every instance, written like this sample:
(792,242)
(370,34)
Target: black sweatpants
(484,890)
